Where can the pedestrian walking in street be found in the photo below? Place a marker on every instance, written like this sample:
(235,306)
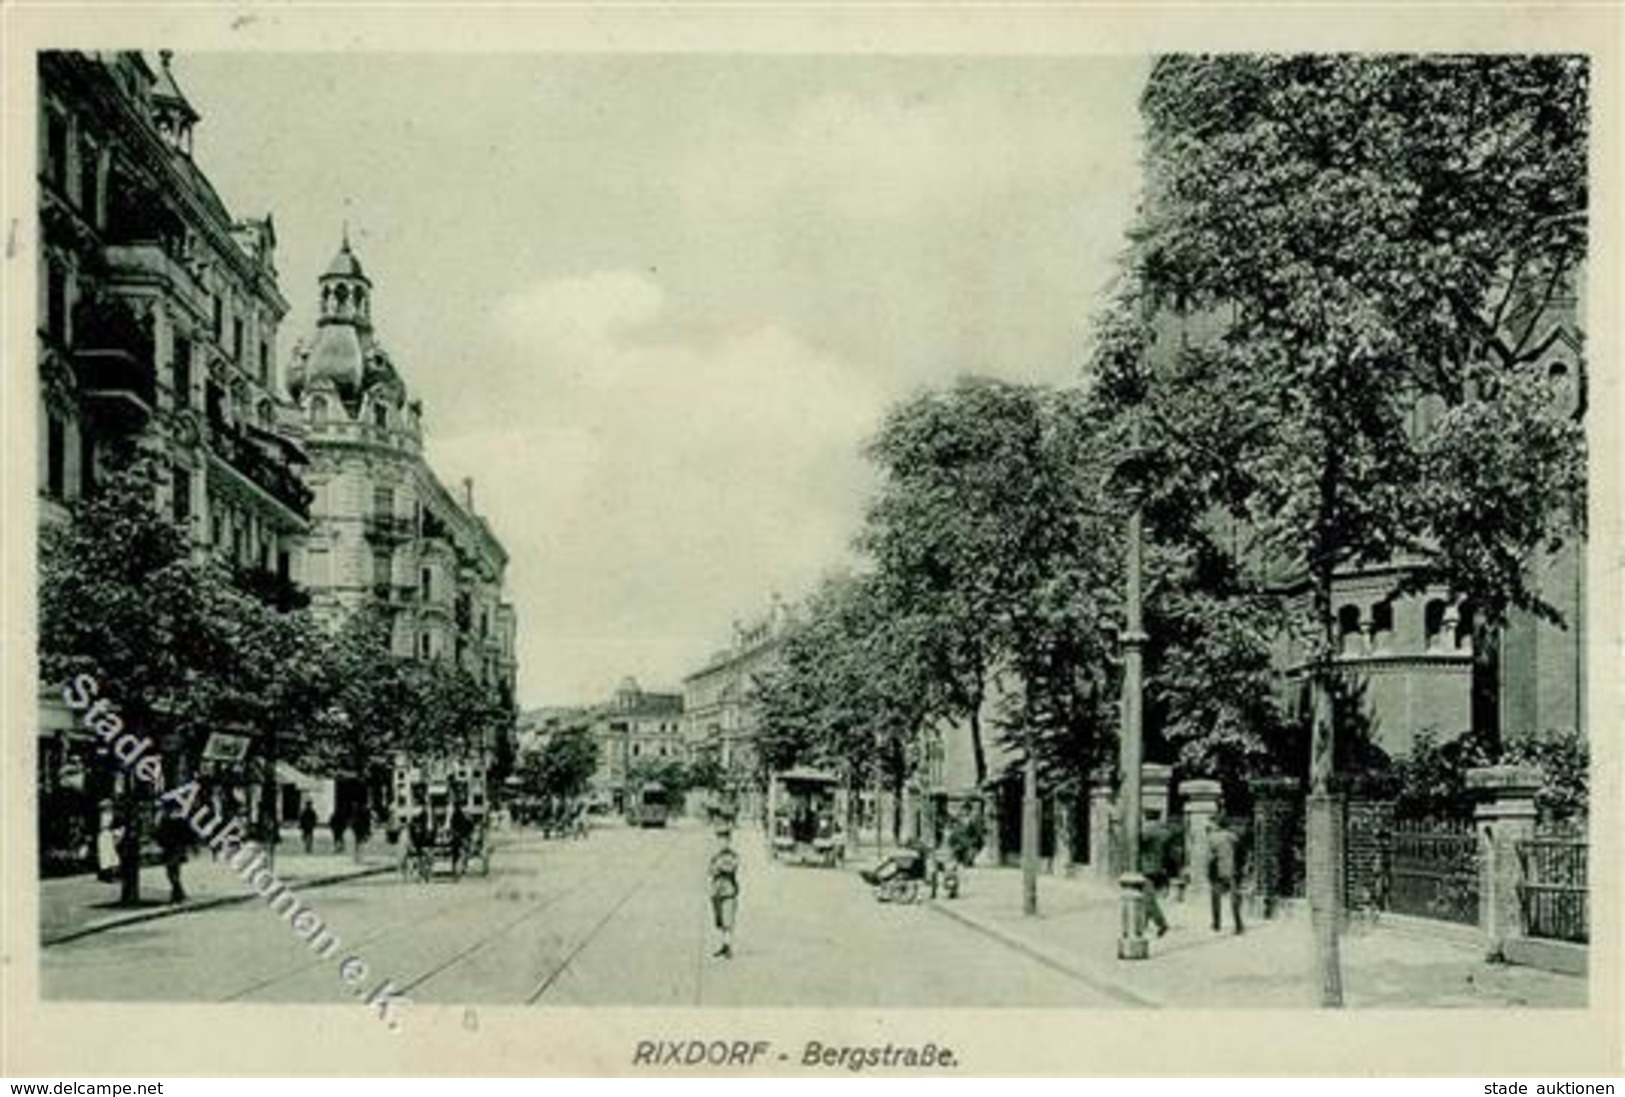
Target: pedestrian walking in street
(361,825)
(462,830)
(1159,863)
(307,827)
(174,839)
(338,825)
(1224,871)
(724,874)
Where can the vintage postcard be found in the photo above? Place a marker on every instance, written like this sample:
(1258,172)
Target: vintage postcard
(809,540)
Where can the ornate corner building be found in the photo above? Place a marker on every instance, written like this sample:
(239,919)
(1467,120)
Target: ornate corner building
(385,532)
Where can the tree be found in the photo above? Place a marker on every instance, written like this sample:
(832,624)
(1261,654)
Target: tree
(1326,332)
(849,691)
(118,601)
(562,767)
(993,539)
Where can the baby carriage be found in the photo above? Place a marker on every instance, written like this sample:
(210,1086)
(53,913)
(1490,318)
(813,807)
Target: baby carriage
(897,879)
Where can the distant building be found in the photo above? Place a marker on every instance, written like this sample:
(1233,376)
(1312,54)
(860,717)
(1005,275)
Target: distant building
(637,729)
(719,717)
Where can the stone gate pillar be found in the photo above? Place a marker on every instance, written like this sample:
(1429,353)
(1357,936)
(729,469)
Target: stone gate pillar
(1100,830)
(1503,817)
(1062,861)
(1154,780)
(1201,805)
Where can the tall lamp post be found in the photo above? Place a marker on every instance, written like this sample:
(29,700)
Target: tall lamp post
(1132,943)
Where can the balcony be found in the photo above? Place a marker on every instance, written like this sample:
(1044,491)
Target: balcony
(394,595)
(261,466)
(113,361)
(273,589)
(388,529)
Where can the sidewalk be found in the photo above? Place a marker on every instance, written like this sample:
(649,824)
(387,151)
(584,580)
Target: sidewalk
(77,906)
(1268,967)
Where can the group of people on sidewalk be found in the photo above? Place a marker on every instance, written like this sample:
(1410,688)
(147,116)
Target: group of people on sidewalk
(1162,862)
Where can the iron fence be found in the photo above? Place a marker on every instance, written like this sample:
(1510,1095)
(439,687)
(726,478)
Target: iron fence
(1552,889)
(1433,872)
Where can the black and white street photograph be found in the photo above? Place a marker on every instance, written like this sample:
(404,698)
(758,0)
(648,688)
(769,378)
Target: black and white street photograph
(889,530)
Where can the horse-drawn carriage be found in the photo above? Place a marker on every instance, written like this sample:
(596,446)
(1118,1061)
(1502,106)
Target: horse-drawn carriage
(442,809)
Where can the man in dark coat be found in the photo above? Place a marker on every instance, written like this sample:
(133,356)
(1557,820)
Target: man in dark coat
(1224,871)
(1158,864)
(175,839)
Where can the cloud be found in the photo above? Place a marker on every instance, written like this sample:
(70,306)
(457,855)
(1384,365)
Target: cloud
(670,476)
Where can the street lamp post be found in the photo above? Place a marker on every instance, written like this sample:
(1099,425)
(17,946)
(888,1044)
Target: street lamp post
(1132,943)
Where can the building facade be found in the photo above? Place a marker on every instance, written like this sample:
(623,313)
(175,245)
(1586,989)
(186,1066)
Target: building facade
(385,532)
(157,331)
(719,711)
(636,730)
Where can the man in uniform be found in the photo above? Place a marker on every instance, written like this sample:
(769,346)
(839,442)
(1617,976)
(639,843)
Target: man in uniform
(724,877)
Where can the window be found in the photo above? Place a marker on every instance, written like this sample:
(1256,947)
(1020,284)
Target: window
(265,363)
(380,414)
(383,501)
(427,584)
(284,566)
(183,372)
(56,303)
(237,341)
(56,447)
(383,567)
(1433,624)
(90,182)
(1382,624)
(1348,628)
(87,462)
(219,318)
(181,495)
(56,147)
(318,410)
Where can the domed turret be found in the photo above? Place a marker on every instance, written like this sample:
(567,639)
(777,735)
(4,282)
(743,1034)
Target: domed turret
(341,352)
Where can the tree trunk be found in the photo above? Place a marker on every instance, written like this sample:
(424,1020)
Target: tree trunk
(1321,839)
(1486,688)
(1029,828)
(978,752)
(129,846)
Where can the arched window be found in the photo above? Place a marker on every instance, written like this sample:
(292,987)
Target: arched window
(1433,615)
(1382,625)
(1348,630)
(380,414)
(318,409)
(1464,629)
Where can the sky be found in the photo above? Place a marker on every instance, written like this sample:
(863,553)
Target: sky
(655,304)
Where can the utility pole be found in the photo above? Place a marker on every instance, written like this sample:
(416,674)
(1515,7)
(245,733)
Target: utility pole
(1132,943)
(1029,825)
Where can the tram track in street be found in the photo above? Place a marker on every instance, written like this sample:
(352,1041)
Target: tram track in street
(466,902)
(637,885)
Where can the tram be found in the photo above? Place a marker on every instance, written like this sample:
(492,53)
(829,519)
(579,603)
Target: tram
(652,806)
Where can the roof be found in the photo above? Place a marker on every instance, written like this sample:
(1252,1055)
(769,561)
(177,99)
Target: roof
(808,774)
(346,265)
(166,91)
